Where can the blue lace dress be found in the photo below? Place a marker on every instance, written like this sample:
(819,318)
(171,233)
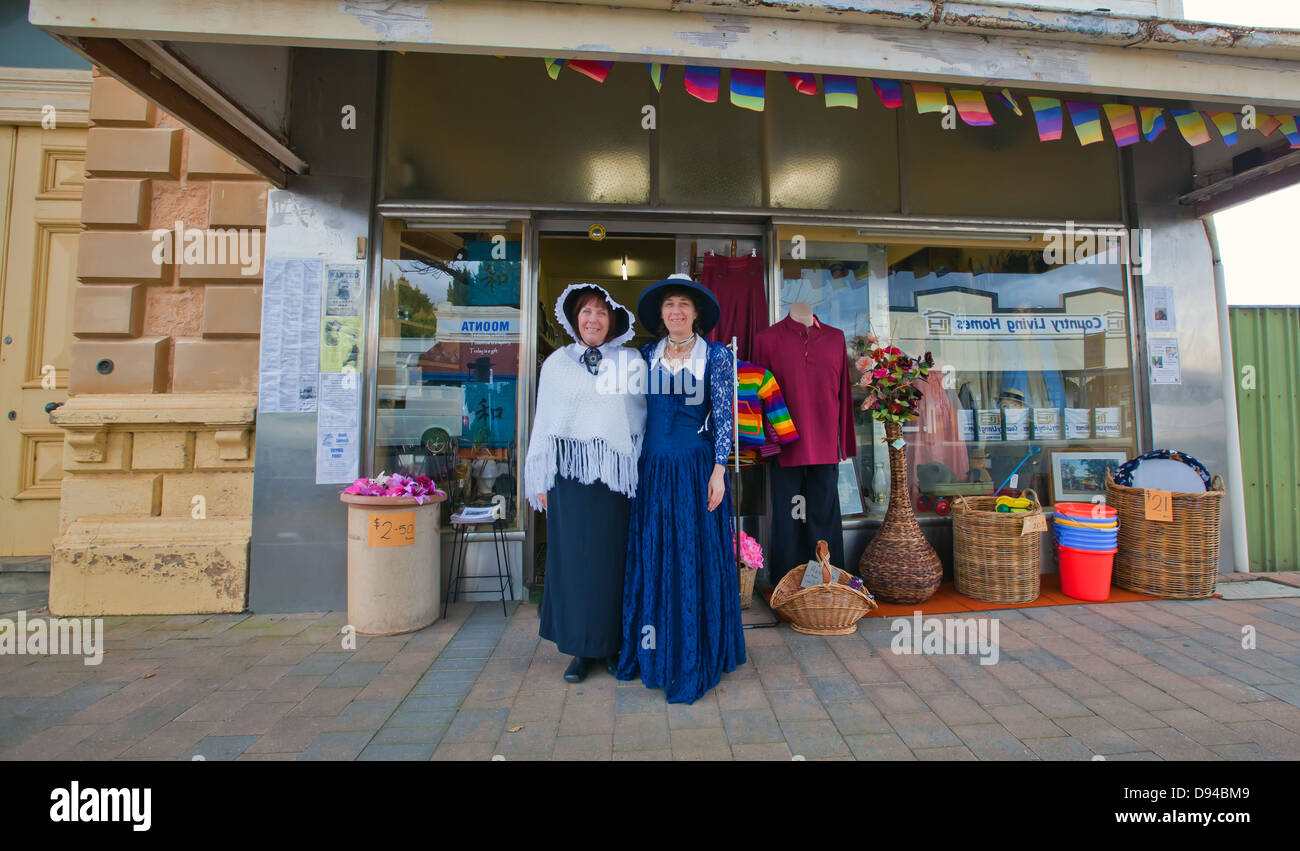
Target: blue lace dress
(681,604)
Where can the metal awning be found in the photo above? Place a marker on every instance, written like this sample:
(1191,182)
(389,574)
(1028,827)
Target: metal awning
(979,44)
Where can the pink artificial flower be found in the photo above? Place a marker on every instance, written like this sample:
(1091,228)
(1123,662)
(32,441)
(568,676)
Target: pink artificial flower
(894,350)
(880,373)
(873,339)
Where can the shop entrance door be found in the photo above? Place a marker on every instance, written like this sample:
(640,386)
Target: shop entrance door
(41,180)
(624,258)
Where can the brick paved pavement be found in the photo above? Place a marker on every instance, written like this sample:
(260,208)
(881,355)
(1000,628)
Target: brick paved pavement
(1152,680)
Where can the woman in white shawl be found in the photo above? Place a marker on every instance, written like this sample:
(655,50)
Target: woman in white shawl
(581,470)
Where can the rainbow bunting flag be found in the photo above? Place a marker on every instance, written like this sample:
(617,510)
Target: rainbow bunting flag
(890,92)
(656,74)
(1087,121)
(702,82)
(1009,101)
(1266,124)
(840,91)
(1123,123)
(1192,126)
(804,84)
(971,107)
(1227,124)
(748,88)
(1047,112)
(1289,129)
(597,71)
(929,98)
(1153,122)
(553,67)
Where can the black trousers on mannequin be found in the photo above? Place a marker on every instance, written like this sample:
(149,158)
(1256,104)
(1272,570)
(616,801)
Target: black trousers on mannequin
(797,529)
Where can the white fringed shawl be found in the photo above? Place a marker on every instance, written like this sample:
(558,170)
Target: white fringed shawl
(580,433)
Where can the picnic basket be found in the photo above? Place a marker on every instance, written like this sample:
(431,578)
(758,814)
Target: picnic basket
(831,608)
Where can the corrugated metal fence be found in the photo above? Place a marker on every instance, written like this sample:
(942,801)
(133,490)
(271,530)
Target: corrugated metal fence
(1266,353)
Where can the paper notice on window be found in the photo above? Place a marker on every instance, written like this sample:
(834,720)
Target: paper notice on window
(1165,363)
(337,428)
(1160,310)
(290,341)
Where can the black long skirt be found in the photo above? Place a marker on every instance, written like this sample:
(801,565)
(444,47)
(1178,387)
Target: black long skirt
(586,556)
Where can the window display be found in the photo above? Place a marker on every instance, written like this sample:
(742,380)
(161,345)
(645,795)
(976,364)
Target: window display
(1028,352)
(448,367)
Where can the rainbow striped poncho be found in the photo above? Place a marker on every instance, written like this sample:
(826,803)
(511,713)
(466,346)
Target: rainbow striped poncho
(757,393)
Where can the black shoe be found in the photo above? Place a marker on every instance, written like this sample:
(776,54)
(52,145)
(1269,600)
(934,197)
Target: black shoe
(577,670)
(611,665)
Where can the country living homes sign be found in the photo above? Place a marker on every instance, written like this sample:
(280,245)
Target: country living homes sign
(1030,326)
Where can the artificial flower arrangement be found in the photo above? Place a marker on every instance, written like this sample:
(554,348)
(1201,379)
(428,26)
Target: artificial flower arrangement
(420,488)
(751,554)
(891,379)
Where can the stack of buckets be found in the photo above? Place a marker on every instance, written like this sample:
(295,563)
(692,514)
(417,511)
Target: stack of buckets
(1087,537)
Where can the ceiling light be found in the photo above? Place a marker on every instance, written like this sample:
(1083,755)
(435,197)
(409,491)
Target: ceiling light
(625,267)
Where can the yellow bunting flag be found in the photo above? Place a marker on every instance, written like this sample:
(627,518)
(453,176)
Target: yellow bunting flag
(929,98)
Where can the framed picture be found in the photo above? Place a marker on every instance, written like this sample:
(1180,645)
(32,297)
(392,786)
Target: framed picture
(1080,474)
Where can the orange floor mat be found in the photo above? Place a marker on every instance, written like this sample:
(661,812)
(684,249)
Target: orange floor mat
(946,600)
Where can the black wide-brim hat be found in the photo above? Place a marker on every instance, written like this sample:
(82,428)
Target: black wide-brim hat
(619,318)
(652,298)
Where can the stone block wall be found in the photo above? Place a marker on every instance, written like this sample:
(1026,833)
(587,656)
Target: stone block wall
(156,508)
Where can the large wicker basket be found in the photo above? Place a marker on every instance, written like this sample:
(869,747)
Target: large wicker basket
(1178,558)
(827,609)
(992,560)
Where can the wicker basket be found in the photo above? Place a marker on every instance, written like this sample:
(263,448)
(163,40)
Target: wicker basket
(992,561)
(1178,558)
(827,609)
(746,577)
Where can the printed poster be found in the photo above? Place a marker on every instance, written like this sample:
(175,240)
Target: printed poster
(290,341)
(343,290)
(337,428)
(340,328)
(1166,365)
(1160,310)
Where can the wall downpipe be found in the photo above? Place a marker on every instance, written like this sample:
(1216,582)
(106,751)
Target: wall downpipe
(1236,480)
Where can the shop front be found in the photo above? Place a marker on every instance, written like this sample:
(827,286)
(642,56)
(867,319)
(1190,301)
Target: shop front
(878,219)
(471,180)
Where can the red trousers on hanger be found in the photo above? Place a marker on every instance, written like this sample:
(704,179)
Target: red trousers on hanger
(738,284)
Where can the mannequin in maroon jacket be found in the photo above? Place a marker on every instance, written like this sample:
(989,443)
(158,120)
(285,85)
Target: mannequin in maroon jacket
(810,361)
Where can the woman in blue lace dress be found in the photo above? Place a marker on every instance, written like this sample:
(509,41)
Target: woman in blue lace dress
(681,603)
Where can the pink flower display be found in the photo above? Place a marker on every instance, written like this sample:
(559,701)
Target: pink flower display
(751,554)
(421,488)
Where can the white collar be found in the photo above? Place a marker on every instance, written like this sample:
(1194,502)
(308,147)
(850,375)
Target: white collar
(695,362)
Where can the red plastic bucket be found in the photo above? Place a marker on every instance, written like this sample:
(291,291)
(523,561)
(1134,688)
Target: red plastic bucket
(1086,575)
(1086,511)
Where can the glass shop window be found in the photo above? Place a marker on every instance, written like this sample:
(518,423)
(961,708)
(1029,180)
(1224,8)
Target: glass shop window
(1032,385)
(449,359)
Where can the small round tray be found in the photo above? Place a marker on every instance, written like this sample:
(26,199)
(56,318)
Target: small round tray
(1125,475)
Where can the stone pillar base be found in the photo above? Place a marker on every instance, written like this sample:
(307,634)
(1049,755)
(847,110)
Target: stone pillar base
(157,566)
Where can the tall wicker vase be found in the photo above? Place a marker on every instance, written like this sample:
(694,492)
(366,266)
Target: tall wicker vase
(899,565)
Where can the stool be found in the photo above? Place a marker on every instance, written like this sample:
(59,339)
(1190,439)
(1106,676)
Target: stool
(459,545)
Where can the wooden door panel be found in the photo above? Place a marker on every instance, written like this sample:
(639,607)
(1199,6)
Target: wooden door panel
(40,197)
